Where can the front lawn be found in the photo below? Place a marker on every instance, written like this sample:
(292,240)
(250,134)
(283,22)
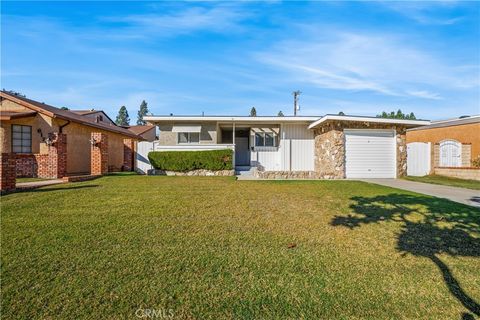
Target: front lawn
(216,248)
(447,181)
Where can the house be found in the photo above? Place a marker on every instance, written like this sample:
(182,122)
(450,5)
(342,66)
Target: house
(454,145)
(329,147)
(45,141)
(146,132)
(97,115)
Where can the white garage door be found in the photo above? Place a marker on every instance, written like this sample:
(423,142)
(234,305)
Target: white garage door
(370,154)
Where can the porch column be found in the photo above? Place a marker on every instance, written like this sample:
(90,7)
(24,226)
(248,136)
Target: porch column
(54,163)
(7,172)
(99,153)
(128,152)
(234,144)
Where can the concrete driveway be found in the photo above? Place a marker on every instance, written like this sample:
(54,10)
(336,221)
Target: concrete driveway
(460,195)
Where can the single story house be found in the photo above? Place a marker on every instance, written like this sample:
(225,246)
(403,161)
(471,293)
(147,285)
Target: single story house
(49,142)
(455,142)
(328,147)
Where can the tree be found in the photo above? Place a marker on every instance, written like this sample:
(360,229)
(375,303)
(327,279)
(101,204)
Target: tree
(253,112)
(122,118)
(64,108)
(141,113)
(341,113)
(397,115)
(280,114)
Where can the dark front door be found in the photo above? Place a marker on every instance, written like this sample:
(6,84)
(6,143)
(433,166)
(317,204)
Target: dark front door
(242,151)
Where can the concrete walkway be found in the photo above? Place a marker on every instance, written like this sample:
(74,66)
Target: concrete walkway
(460,195)
(38,184)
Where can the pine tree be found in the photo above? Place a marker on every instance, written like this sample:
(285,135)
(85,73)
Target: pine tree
(253,112)
(143,111)
(122,118)
(280,114)
(341,113)
(412,116)
(398,115)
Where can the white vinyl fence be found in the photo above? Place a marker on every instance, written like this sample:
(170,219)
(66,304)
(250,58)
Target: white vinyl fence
(418,158)
(144,147)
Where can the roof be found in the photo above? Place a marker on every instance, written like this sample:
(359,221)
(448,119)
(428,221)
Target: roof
(84,112)
(313,121)
(54,112)
(257,119)
(140,129)
(450,122)
(369,119)
(9,115)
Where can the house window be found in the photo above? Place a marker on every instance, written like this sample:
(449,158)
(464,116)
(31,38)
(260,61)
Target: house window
(21,139)
(265,139)
(188,137)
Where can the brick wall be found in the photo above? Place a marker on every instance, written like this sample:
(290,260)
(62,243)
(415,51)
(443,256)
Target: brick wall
(7,172)
(128,151)
(26,165)
(99,153)
(462,173)
(54,163)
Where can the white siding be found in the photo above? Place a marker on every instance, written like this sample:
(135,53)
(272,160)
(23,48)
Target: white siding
(297,148)
(418,158)
(267,158)
(370,154)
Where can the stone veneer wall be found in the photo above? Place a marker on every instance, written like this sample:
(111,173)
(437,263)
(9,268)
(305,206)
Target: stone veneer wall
(199,172)
(330,147)
(284,174)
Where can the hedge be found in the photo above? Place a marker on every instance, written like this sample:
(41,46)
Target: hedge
(192,160)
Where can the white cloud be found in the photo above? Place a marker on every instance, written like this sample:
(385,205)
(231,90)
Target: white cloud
(424,94)
(382,63)
(222,18)
(425,12)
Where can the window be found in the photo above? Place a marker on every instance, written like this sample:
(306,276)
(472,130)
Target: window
(265,139)
(21,138)
(188,137)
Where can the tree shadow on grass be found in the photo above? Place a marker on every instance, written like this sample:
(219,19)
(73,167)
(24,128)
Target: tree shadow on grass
(431,226)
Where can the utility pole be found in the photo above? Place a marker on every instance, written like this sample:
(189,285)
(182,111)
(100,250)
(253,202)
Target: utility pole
(295,101)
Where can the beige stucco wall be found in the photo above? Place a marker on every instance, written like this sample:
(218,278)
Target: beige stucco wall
(208,134)
(39,121)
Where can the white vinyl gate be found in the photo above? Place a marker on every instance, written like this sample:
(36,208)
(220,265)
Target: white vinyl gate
(450,153)
(143,148)
(418,158)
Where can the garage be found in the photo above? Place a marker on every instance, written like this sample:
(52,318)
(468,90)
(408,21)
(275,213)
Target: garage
(370,153)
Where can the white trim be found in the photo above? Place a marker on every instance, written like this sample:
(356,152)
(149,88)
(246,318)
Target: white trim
(368,119)
(187,128)
(230,119)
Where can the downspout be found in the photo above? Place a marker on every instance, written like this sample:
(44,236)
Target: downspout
(60,128)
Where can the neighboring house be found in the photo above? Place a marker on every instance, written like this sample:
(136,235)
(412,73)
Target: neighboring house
(50,142)
(96,115)
(147,132)
(330,147)
(455,142)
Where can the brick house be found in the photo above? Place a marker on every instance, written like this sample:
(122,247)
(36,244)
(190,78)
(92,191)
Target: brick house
(48,142)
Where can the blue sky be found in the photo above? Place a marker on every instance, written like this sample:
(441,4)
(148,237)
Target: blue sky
(225,57)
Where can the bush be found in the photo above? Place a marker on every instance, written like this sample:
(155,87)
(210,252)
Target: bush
(192,160)
(476,162)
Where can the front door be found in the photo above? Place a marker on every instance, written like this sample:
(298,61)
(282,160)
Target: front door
(242,151)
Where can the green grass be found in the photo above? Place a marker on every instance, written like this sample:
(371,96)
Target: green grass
(447,181)
(216,248)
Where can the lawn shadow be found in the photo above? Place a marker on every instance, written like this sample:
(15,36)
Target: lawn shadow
(46,189)
(431,226)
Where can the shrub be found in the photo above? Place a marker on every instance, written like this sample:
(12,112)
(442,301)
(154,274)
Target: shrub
(192,160)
